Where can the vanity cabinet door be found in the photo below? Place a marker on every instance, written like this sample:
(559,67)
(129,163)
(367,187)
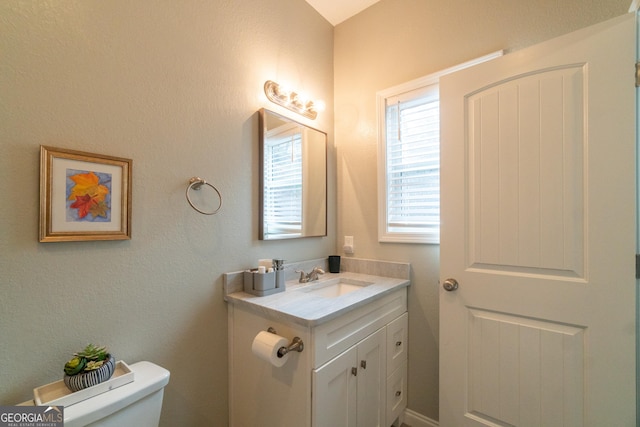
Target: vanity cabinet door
(371,380)
(334,396)
(349,390)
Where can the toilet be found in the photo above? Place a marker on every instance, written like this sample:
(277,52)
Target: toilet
(138,403)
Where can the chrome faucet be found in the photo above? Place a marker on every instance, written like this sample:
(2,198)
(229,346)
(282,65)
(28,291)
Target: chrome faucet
(312,276)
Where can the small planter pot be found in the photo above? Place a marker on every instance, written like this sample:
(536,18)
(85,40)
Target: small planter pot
(87,379)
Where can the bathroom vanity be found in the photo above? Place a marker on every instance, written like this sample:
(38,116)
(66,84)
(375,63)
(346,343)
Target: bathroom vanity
(352,370)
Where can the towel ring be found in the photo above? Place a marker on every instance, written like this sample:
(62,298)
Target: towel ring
(196,183)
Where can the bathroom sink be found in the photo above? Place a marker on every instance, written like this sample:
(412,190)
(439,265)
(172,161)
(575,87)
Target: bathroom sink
(336,287)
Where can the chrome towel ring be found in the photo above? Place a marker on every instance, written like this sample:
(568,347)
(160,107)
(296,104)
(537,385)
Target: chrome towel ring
(196,183)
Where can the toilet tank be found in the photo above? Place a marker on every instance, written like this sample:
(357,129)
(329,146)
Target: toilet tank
(138,403)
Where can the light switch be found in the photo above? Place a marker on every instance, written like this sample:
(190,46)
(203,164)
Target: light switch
(348,245)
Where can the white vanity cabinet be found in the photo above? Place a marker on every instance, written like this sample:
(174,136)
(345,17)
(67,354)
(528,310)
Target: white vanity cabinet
(349,390)
(352,371)
(364,386)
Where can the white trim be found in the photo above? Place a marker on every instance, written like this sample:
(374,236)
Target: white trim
(635,4)
(414,419)
(433,78)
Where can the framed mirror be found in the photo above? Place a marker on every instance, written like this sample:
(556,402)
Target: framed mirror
(293,179)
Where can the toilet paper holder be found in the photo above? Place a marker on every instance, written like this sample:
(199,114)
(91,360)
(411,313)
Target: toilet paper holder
(295,345)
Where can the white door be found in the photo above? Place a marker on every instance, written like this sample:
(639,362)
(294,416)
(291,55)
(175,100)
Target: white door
(334,398)
(538,228)
(371,376)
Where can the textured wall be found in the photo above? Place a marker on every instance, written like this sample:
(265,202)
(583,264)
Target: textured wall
(390,43)
(175,86)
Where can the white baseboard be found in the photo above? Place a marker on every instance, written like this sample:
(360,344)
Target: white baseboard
(415,419)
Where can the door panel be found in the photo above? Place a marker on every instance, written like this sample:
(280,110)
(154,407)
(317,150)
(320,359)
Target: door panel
(510,354)
(538,227)
(526,147)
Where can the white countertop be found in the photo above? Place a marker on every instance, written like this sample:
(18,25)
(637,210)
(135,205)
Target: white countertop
(309,309)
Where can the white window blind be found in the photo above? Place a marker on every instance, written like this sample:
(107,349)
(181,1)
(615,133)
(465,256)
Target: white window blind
(413,163)
(283,185)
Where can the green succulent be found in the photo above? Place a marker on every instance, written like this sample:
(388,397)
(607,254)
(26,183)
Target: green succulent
(92,352)
(90,358)
(93,365)
(75,365)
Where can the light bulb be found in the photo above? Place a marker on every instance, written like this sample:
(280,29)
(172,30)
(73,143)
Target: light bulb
(319,105)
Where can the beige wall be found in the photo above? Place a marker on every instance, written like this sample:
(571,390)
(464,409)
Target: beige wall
(390,43)
(175,86)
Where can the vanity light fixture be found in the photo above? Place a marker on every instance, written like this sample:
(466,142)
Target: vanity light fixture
(290,100)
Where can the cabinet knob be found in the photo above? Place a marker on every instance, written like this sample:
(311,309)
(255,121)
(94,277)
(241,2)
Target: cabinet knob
(363,364)
(398,343)
(354,371)
(398,393)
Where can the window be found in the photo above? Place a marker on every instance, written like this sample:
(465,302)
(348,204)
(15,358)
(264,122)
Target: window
(412,169)
(283,182)
(409,159)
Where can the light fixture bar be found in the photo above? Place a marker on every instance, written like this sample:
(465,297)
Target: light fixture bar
(289,100)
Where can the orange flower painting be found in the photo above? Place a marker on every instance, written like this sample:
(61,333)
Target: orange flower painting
(88,196)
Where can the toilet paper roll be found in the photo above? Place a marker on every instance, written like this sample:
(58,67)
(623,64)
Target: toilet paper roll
(266,345)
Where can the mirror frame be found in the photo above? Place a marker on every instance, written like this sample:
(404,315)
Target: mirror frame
(262,139)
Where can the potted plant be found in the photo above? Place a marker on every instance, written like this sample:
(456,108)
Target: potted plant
(91,366)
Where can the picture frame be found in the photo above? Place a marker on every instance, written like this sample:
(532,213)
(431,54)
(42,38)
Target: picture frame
(84,196)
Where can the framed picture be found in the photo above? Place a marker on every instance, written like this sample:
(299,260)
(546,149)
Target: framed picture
(84,196)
